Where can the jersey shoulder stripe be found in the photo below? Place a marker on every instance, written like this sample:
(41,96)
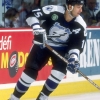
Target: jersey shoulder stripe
(53,8)
(80,20)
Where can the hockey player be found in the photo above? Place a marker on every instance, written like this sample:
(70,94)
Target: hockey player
(58,20)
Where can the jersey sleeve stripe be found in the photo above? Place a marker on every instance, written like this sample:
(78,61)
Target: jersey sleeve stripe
(32,20)
(35,25)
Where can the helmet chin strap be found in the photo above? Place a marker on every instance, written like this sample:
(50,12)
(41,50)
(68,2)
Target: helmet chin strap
(69,11)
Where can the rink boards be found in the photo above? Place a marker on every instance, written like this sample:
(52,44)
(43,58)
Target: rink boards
(20,40)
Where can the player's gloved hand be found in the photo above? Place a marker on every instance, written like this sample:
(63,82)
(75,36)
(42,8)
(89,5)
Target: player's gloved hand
(73,63)
(38,31)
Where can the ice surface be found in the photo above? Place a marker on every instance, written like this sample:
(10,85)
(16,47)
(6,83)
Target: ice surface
(85,96)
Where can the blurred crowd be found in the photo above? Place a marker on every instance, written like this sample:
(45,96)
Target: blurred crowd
(15,16)
(90,13)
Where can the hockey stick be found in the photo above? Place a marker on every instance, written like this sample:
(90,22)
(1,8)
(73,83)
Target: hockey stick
(67,63)
(56,53)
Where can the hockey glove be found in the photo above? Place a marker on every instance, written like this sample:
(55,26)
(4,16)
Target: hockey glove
(73,63)
(38,31)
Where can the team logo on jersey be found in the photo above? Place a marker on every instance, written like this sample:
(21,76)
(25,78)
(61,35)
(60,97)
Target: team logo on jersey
(49,8)
(60,31)
(54,17)
(76,31)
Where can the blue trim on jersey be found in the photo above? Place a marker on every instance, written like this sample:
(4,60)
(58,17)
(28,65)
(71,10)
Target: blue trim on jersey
(35,24)
(74,53)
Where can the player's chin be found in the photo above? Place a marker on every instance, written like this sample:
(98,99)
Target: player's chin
(77,15)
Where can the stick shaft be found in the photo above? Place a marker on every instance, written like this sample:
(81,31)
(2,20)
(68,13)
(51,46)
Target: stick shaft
(88,79)
(67,63)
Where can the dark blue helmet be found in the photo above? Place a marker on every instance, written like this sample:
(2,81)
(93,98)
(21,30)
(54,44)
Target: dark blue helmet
(73,2)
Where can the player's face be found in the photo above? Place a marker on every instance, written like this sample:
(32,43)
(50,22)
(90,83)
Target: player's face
(77,10)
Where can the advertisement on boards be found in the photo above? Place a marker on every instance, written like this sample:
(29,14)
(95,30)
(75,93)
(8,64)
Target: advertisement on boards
(15,45)
(14,49)
(90,58)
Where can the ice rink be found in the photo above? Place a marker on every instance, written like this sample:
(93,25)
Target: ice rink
(85,96)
